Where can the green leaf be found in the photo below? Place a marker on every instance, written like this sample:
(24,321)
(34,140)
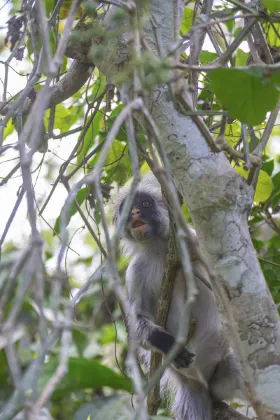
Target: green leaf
(275,196)
(80,340)
(247,95)
(275,244)
(276,180)
(187,21)
(268,166)
(99,86)
(272,5)
(49,5)
(241,58)
(64,66)
(230,24)
(90,137)
(8,129)
(233,133)
(48,255)
(121,136)
(207,57)
(272,33)
(80,198)
(82,374)
(108,334)
(64,117)
(118,163)
(264,186)
(4,369)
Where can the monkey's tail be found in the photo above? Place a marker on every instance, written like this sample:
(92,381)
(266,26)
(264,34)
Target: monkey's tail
(191,401)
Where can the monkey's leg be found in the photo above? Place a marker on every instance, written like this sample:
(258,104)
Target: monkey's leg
(192,400)
(152,335)
(225,381)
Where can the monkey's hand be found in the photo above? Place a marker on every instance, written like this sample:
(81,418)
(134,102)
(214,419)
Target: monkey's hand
(183,359)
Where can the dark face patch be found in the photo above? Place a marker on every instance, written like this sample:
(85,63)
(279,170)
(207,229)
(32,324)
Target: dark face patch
(143,220)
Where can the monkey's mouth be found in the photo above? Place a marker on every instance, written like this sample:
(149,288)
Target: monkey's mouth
(139,228)
(137,224)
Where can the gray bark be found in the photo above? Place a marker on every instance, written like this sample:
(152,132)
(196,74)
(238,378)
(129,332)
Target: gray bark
(69,84)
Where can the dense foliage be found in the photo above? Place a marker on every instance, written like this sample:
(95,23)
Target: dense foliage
(234,102)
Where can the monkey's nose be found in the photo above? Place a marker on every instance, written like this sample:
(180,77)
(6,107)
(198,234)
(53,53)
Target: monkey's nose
(135,213)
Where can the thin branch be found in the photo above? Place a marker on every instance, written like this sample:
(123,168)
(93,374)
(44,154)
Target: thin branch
(91,231)
(11,217)
(267,132)
(237,41)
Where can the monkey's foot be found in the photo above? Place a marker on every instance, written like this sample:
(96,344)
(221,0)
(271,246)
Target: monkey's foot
(183,359)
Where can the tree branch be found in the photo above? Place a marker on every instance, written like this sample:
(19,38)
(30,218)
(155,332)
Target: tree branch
(69,84)
(222,411)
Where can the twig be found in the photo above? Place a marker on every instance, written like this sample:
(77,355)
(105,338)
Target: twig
(91,231)
(195,50)
(267,261)
(248,163)
(258,151)
(237,41)
(11,217)
(253,50)
(62,366)
(267,132)
(183,99)
(41,15)
(72,155)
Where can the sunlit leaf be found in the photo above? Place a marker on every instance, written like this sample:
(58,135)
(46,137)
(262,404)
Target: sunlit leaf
(271,5)
(64,117)
(108,334)
(264,186)
(144,168)
(90,137)
(241,57)
(233,133)
(8,129)
(272,33)
(186,21)
(49,5)
(118,165)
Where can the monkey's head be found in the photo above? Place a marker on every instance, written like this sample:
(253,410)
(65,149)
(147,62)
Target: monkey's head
(148,217)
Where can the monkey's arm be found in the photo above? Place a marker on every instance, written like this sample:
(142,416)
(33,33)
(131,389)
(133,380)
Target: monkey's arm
(141,288)
(154,336)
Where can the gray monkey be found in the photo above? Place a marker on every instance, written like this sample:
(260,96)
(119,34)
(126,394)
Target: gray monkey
(196,381)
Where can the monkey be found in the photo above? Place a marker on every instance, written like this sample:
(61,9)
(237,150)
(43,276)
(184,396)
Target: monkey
(205,370)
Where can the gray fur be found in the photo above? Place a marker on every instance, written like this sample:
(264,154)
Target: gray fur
(192,398)
(214,372)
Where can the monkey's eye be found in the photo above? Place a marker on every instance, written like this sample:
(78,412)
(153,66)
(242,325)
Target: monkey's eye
(146,204)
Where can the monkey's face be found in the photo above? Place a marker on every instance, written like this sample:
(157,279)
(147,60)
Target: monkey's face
(143,221)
